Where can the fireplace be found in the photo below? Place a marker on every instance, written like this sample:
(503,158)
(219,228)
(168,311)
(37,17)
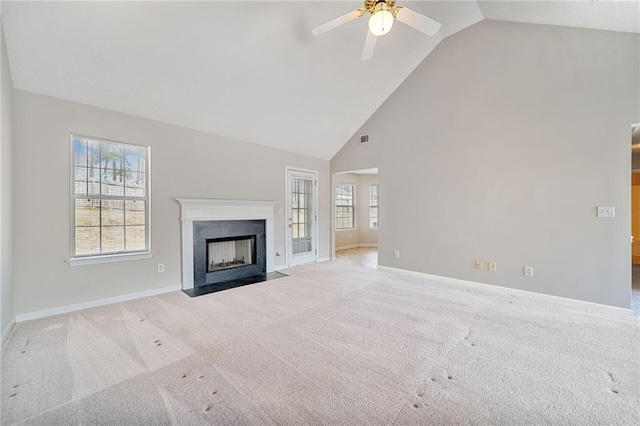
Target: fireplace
(231,252)
(208,219)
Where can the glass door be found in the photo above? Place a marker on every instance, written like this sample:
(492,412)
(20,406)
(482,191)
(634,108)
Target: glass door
(301,219)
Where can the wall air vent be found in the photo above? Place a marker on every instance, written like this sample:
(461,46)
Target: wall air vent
(364,138)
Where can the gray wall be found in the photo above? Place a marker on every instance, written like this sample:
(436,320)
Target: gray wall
(185,163)
(362,234)
(6,269)
(499,147)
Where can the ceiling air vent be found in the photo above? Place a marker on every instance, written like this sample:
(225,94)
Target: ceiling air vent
(364,138)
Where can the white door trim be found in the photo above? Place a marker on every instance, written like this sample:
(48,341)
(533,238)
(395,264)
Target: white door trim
(287,241)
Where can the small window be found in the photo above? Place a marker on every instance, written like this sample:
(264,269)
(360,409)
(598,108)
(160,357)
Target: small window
(345,207)
(373,206)
(110,198)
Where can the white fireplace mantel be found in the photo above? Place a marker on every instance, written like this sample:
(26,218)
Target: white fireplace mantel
(196,209)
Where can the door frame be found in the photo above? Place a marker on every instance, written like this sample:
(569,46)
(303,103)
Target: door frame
(287,202)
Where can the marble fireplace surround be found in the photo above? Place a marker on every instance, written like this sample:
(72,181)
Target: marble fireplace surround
(200,209)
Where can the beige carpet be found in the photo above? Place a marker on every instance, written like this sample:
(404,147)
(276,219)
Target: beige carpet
(333,343)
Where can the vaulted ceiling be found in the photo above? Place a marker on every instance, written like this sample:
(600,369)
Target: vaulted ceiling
(248,70)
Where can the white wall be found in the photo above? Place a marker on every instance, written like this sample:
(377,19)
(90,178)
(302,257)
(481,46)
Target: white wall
(499,147)
(185,163)
(361,234)
(6,270)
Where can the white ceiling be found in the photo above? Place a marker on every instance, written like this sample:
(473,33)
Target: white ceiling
(246,70)
(611,15)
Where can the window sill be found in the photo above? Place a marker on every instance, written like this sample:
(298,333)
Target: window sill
(345,229)
(93,260)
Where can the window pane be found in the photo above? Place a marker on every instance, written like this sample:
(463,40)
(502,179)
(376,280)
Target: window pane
(93,181)
(135,159)
(80,152)
(80,181)
(93,153)
(135,238)
(111,187)
(373,195)
(344,205)
(134,184)
(112,239)
(112,212)
(87,212)
(135,212)
(111,156)
(87,241)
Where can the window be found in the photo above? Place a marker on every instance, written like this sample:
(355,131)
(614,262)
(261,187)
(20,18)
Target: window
(373,206)
(345,208)
(110,198)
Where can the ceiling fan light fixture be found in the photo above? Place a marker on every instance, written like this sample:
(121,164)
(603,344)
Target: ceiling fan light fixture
(381,21)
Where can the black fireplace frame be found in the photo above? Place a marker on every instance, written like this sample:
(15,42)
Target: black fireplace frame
(204,231)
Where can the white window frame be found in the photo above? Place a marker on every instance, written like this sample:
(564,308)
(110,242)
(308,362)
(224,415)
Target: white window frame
(110,257)
(376,206)
(353,206)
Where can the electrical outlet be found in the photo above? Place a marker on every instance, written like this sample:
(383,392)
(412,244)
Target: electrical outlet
(528,271)
(606,211)
(493,267)
(160,267)
(478,264)
(396,254)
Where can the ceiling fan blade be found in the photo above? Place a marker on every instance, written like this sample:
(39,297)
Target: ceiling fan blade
(418,21)
(347,17)
(369,46)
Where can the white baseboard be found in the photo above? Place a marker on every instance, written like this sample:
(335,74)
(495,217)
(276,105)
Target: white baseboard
(352,246)
(94,303)
(279,267)
(7,332)
(493,287)
(324,259)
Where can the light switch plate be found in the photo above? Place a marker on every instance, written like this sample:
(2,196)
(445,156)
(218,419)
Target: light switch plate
(606,211)
(528,271)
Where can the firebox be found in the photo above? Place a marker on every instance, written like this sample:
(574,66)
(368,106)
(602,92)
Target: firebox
(231,252)
(225,250)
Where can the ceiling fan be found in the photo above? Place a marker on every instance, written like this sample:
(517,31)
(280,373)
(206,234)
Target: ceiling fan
(383,13)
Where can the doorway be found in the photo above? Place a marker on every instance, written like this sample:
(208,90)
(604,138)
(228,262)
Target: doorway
(355,216)
(302,217)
